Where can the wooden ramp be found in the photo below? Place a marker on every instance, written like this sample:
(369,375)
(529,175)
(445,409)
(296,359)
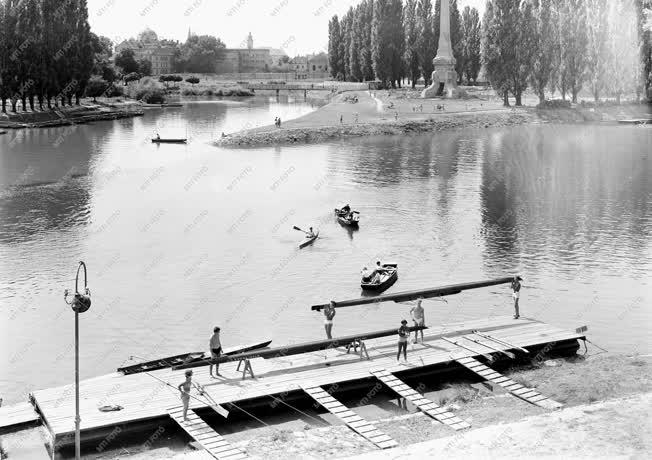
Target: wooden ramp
(423,404)
(210,440)
(16,415)
(352,420)
(508,384)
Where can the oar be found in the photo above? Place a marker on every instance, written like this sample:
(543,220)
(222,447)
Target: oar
(297,228)
(487,357)
(509,354)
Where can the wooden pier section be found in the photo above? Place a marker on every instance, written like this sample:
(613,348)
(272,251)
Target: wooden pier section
(147,400)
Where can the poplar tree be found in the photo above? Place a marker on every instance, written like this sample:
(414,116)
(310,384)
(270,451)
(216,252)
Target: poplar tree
(596,63)
(574,46)
(334,38)
(411,55)
(366,61)
(456,40)
(397,41)
(494,54)
(623,68)
(426,45)
(471,43)
(381,42)
(355,45)
(543,47)
(83,50)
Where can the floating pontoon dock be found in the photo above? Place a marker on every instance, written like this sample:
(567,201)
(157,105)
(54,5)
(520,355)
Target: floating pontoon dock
(147,402)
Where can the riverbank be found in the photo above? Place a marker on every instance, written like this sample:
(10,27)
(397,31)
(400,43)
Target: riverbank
(606,397)
(86,112)
(369,113)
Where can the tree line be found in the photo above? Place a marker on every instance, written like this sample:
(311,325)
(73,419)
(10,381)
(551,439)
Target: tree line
(46,52)
(603,46)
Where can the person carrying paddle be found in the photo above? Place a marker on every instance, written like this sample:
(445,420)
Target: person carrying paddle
(310,233)
(419,318)
(216,350)
(516,293)
(403,335)
(329,314)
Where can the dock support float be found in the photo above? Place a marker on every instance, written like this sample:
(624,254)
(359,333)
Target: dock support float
(210,440)
(352,420)
(423,404)
(518,390)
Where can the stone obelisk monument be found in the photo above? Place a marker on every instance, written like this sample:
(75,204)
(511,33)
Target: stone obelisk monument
(444,77)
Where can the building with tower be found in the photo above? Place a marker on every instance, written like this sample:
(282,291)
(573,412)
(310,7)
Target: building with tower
(249,59)
(147,46)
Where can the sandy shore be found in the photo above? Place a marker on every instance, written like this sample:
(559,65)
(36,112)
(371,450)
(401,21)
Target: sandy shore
(404,112)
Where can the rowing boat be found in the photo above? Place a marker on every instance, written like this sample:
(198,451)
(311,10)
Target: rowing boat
(308,240)
(169,141)
(381,280)
(187,358)
(352,219)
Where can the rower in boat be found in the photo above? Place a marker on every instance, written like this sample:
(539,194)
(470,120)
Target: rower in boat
(311,233)
(158,137)
(368,276)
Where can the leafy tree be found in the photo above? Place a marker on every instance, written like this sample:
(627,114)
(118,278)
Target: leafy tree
(366,61)
(356,38)
(426,44)
(133,76)
(192,80)
(457,41)
(471,43)
(397,41)
(200,53)
(102,50)
(144,67)
(381,41)
(494,54)
(623,69)
(96,87)
(574,46)
(644,18)
(597,58)
(126,61)
(83,55)
(334,38)
(411,55)
(543,47)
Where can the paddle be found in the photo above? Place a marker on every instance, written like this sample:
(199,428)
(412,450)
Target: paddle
(297,228)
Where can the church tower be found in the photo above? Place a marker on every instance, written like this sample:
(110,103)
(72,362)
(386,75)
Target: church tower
(250,41)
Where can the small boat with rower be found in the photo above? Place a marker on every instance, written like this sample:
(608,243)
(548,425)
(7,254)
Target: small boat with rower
(347,217)
(162,140)
(380,279)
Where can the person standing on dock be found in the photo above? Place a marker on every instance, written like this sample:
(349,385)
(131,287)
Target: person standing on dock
(516,293)
(329,314)
(419,318)
(403,335)
(216,350)
(184,389)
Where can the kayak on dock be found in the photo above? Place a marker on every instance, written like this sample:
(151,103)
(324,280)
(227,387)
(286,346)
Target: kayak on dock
(187,358)
(168,141)
(379,281)
(350,218)
(308,240)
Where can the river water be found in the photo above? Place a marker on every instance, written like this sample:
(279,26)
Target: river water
(179,238)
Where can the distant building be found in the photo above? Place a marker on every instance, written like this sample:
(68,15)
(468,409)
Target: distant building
(147,46)
(311,66)
(249,59)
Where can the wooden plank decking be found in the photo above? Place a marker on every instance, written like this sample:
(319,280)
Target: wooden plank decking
(144,398)
(210,440)
(518,390)
(423,404)
(354,421)
(17,414)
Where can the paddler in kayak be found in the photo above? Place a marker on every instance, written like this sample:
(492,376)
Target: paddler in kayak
(310,233)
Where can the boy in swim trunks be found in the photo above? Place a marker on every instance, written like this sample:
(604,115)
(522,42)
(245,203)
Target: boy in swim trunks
(516,293)
(329,314)
(216,350)
(419,318)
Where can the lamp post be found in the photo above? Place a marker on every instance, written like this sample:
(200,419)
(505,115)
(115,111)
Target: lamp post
(79,303)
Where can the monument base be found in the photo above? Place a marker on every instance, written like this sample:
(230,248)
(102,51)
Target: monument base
(444,82)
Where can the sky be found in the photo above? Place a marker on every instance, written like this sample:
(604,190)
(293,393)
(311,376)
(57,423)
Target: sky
(296,26)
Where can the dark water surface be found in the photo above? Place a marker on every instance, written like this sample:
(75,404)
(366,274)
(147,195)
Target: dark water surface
(180,238)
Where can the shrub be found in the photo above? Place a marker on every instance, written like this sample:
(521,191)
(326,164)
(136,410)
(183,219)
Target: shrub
(133,76)
(554,104)
(153,96)
(192,80)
